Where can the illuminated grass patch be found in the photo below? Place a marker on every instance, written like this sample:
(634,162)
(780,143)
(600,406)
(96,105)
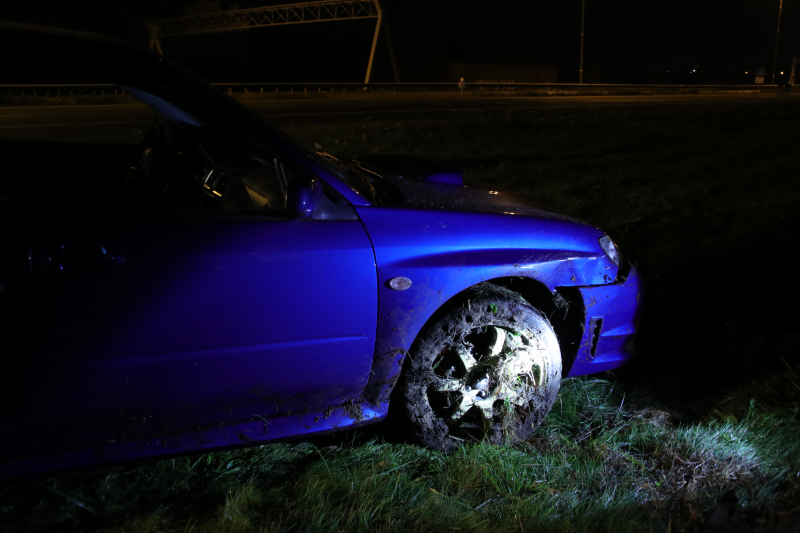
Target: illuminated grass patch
(598,464)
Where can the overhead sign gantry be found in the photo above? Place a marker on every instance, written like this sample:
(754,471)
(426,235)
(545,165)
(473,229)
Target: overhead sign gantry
(244,19)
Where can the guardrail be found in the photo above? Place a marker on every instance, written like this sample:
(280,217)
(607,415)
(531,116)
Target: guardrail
(562,88)
(57,91)
(109,93)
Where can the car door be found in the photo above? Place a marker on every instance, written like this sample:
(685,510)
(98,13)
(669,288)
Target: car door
(126,324)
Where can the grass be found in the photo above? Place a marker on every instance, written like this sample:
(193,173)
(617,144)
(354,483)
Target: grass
(601,462)
(705,197)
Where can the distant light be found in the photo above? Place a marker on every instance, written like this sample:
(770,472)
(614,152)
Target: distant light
(781,72)
(746,72)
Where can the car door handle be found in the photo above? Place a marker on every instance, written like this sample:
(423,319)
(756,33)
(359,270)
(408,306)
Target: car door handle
(74,257)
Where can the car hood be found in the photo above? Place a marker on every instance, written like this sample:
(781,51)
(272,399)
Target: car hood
(417,183)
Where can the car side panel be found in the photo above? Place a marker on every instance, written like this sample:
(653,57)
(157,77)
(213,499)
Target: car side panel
(445,252)
(206,322)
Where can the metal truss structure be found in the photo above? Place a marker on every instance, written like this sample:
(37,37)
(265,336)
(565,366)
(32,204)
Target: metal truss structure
(244,19)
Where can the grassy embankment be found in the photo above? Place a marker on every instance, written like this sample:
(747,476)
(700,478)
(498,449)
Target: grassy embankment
(704,199)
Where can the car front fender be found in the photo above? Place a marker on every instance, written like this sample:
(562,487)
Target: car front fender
(444,253)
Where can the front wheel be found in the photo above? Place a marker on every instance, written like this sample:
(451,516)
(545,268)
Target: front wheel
(488,370)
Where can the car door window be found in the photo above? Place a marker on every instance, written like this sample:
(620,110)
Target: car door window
(171,164)
(186,167)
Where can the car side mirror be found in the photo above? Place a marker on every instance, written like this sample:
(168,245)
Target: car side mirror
(303,197)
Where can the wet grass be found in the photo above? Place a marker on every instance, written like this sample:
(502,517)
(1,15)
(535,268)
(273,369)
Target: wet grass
(704,199)
(603,461)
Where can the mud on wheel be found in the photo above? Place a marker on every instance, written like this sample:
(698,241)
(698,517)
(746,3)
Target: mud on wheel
(488,370)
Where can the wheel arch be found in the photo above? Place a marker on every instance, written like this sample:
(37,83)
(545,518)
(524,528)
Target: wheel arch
(564,312)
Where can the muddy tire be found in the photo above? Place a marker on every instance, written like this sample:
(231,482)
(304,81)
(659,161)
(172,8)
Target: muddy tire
(488,370)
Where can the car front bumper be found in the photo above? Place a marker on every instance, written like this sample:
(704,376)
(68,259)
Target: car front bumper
(611,318)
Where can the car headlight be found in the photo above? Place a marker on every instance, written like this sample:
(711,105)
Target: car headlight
(611,250)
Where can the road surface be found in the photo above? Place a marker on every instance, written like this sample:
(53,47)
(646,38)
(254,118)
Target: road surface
(284,111)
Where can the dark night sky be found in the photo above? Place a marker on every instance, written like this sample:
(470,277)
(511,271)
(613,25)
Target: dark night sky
(626,40)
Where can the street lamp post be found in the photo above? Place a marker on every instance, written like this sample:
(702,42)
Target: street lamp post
(583,16)
(777,35)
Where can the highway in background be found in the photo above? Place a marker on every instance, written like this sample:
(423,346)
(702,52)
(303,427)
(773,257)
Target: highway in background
(283,111)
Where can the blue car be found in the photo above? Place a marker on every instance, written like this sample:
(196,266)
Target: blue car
(218,284)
